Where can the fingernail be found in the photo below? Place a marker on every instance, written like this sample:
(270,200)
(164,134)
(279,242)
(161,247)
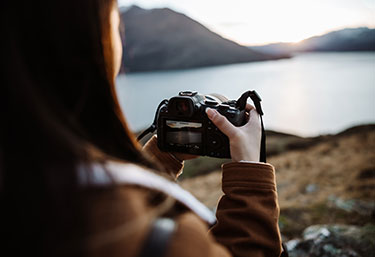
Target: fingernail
(210,113)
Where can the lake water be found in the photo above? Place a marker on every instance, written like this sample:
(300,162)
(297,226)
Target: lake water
(307,95)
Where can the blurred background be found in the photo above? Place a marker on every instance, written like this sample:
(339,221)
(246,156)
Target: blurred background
(312,62)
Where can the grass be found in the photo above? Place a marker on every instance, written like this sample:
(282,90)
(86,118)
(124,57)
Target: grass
(293,221)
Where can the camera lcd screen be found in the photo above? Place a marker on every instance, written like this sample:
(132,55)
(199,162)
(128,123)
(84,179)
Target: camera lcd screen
(184,137)
(183,132)
(182,124)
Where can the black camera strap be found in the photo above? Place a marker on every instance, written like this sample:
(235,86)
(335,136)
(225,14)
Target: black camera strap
(153,126)
(241,104)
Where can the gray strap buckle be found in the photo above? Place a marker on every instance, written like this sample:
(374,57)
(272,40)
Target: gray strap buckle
(157,241)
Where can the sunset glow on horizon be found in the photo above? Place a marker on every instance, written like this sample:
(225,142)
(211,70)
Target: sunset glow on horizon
(270,21)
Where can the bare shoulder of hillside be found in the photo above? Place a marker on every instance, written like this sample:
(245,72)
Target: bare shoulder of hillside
(321,180)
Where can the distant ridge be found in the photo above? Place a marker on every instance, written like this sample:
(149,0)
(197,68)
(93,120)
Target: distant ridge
(162,39)
(349,39)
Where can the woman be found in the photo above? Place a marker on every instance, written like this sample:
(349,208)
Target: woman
(69,164)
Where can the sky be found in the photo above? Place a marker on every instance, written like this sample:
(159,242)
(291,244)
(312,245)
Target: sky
(259,22)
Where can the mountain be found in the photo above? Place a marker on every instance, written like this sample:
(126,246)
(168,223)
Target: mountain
(162,39)
(350,39)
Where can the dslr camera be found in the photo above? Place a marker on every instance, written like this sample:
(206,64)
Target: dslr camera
(183,126)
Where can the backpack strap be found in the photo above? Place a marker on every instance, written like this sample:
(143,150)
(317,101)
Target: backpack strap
(157,241)
(131,174)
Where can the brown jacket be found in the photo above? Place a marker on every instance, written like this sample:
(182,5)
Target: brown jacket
(247,216)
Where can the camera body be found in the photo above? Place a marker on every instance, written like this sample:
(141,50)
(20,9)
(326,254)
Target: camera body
(183,125)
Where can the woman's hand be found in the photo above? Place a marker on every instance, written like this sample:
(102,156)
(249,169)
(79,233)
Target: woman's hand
(245,140)
(184,156)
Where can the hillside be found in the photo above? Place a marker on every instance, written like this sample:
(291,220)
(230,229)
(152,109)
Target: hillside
(324,180)
(162,39)
(350,39)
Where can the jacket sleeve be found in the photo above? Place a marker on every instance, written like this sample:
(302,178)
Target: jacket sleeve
(172,166)
(247,218)
(247,214)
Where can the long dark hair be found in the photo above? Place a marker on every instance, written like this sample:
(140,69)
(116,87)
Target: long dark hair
(58,109)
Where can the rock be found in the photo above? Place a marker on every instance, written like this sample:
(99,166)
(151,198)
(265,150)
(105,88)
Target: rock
(311,188)
(291,244)
(314,232)
(365,208)
(334,240)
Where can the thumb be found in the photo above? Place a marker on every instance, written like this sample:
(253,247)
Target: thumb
(221,122)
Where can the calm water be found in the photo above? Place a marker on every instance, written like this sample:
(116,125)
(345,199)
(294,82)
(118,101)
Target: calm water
(307,95)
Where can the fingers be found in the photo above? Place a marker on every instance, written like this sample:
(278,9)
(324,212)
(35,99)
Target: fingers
(252,117)
(184,157)
(221,122)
